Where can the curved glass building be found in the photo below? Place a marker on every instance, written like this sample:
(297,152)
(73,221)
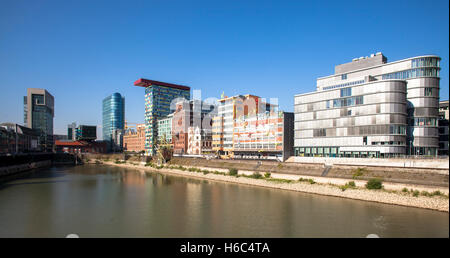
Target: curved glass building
(371,108)
(113,120)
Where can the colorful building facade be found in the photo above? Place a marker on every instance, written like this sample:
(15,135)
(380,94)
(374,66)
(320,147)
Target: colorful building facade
(249,128)
(158,99)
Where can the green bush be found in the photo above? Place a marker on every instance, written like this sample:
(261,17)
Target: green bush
(351,184)
(358,172)
(438,193)
(311,181)
(374,183)
(232,172)
(405,190)
(256,175)
(425,193)
(267,175)
(343,187)
(416,193)
(301,179)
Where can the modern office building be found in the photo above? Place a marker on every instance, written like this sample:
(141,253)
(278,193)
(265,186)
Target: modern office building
(165,129)
(113,120)
(86,133)
(192,116)
(71,131)
(38,114)
(371,108)
(81,132)
(443,128)
(134,138)
(158,99)
(247,127)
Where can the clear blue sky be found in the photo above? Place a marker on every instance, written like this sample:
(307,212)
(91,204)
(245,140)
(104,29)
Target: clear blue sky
(82,51)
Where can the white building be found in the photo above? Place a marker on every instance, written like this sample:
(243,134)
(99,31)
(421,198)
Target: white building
(371,108)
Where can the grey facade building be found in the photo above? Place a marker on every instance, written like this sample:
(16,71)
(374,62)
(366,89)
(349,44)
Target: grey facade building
(371,108)
(38,114)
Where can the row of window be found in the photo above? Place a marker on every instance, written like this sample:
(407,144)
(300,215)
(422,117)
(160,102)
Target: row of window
(423,121)
(412,73)
(425,61)
(343,85)
(362,130)
(389,143)
(345,102)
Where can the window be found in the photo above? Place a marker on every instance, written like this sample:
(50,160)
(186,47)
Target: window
(346,92)
(328,104)
(428,92)
(359,100)
(344,77)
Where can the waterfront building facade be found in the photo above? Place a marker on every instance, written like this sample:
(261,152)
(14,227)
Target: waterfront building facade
(113,120)
(248,128)
(134,138)
(443,128)
(199,141)
(192,117)
(165,129)
(371,108)
(158,99)
(15,138)
(38,114)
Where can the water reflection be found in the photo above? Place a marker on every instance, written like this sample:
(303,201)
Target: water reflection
(102,201)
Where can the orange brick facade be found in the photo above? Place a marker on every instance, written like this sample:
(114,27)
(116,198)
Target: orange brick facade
(134,140)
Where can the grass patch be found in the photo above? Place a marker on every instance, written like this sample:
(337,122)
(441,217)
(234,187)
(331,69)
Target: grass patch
(358,172)
(348,185)
(267,175)
(278,180)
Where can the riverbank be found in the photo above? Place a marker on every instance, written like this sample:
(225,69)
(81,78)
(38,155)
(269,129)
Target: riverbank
(415,196)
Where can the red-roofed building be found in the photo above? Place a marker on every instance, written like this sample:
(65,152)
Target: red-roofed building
(81,146)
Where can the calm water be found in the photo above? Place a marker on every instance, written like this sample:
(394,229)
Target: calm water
(103,201)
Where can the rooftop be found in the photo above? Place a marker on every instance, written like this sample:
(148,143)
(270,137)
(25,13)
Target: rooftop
(146,83)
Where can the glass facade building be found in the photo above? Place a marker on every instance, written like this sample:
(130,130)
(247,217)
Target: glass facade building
(113,120)
(38,114)
(378,109)
(158,99)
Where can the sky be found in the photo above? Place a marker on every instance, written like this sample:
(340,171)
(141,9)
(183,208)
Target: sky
(83,51)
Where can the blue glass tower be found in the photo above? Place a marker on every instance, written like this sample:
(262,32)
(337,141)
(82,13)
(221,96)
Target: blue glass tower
(113,120)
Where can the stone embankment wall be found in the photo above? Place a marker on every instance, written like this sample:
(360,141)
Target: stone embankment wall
(435,163)
(15,169)
(421,176)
